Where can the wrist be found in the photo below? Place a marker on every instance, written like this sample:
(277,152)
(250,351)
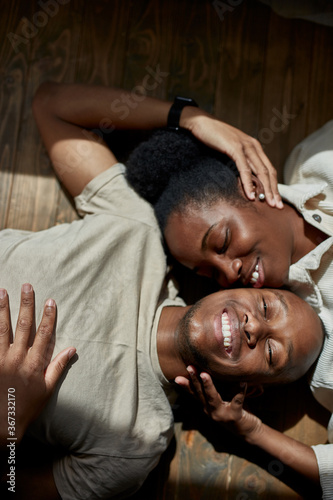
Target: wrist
(176,110)
(254,434)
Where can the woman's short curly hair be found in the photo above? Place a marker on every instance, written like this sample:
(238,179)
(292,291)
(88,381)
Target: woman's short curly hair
(173,170)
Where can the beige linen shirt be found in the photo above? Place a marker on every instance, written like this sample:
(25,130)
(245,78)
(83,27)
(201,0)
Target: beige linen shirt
(110,416)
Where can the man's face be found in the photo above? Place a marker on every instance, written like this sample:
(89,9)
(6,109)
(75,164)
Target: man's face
(256,336)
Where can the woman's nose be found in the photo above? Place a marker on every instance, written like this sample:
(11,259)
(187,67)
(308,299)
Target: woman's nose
(228,271)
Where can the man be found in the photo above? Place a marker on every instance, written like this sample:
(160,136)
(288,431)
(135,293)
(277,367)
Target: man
(111,419)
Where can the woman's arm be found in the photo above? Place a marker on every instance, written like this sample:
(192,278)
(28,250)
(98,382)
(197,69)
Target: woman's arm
(64,112)
(232,415)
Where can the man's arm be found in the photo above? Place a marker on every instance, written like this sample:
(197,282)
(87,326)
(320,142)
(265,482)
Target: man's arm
(27,380)
(64,112)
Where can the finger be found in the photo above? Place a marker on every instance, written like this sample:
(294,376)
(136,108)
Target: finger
(5,325)
(197,385)
(57,367)
(43,345)
(268,176)
(245,172)
(26,317)
(272,174)
(262,172)
(184,383)
(213,397)
(237,401)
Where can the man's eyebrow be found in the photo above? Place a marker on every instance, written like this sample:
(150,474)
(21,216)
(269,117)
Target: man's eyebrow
(282,299)
(204,239)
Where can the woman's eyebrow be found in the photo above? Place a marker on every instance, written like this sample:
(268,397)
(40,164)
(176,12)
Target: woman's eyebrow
(204,239)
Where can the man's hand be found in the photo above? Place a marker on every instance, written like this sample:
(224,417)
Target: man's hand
(230,414)
(27,374)
(246,151)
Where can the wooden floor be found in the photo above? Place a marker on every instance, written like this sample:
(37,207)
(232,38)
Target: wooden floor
(267,75)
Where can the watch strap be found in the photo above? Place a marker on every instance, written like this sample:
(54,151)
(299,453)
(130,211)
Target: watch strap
(176,110)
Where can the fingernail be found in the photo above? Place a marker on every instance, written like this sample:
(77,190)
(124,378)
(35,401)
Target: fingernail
(50,303)
(26,288)
(3,293)
(190,370)
(280,204)
(203,377)
(71,353)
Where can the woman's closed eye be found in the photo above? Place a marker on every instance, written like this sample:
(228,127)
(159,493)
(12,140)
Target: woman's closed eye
(225,244)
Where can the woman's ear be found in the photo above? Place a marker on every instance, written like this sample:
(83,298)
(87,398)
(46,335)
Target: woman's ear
(258,188)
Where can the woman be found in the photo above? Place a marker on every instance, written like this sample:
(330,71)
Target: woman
(211,227)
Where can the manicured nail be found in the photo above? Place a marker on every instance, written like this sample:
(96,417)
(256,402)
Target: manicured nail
(190,370)
(203,377)
(50,303)
(3,293)
(26,288)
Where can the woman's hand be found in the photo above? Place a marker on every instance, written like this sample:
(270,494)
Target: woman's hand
(27,374)
(230,414)
(246,151)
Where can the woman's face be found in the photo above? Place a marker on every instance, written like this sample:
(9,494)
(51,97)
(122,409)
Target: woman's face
(249,244)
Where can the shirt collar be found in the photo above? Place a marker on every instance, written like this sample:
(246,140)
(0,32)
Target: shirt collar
(298,194)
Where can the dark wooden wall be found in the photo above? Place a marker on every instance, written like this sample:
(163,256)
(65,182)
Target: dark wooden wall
(267,75)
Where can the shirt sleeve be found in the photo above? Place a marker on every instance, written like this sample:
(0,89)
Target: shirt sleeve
(95,477)
(109,192)
(324,455)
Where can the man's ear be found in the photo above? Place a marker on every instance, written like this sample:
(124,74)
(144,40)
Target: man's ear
(258,188)
(254,391)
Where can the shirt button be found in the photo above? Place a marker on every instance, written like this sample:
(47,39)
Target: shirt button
(316,217)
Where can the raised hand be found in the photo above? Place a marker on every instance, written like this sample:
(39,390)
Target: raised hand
(230,414)
(27,374)
(246,151)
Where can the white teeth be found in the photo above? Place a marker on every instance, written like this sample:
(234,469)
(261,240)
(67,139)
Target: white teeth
(255,274)
(226,330)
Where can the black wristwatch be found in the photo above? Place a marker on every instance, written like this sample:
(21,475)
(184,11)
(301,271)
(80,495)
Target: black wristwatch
(176,109)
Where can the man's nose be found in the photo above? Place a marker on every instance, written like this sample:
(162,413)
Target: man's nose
(252,328)
(228,271)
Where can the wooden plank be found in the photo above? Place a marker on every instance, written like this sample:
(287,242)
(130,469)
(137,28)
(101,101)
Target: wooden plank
(35,190)
(242,57)
(285,95)
(14,57)
(101,56)
(320,108)
(201,473)
(147,59)
(194,49)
